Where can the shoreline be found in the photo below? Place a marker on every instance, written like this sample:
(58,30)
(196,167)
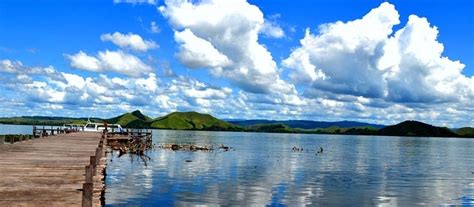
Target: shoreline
(272,132)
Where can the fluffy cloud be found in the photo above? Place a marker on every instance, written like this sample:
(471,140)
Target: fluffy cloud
(132,41)
(364,58)
(196,94)
(115,61)
(208,93)
(197,52)
(83,61)
(23,73)
(358,70)
(154,28)
(9,66)
(272,29)
(31,80)
(229,32)
(415,69)
(48,86)
(342,58)
(26,88)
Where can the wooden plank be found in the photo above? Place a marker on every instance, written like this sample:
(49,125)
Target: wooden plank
(48,171)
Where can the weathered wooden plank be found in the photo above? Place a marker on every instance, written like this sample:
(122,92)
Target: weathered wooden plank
(47,171)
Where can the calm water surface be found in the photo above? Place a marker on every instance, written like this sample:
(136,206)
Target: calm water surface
(15,129)
(263,170)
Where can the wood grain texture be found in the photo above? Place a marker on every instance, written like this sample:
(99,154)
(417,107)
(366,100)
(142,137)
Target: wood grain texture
(48,171)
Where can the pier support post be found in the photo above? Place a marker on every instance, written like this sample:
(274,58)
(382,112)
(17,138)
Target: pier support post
(87,192)
(89,174)
(93,165)
(101,147)
(98,156)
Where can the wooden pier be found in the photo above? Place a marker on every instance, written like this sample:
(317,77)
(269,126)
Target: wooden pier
(60,170)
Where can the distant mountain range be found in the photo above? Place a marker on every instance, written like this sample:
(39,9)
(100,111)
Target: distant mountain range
(304,124)
(199,121)
(415,128)
(45,120)
(465,131)
(175,120)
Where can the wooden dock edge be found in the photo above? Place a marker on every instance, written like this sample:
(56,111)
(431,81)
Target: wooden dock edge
(93,188)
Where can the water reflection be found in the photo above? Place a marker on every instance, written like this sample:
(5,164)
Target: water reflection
(15,129)
(263,170)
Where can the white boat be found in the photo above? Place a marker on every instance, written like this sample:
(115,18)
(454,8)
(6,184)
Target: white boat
(99,127)
(70,127)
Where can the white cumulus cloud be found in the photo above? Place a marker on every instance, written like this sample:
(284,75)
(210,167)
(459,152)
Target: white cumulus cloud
(9,66)
(114,61)
(416,69)
(197,52)
(229,31)
(272,29)
(342,58)
(154,28)
(366,58)
(130,40)
(83,61)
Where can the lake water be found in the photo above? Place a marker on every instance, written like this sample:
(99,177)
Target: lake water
(15,129)
(263,170)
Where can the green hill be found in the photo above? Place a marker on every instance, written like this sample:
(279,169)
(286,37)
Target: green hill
(198,121)
(191,120)
(416,128)
(45,120)
(369,130)
(362,130)
(134,119)
(276,128)
(465,131)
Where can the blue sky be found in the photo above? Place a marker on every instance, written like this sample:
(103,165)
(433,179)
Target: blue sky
(318,60)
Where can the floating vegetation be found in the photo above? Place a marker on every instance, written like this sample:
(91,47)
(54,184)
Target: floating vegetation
(186,147)
(134,146)
(298,149)
(192,147)
(131,143)
(225,148)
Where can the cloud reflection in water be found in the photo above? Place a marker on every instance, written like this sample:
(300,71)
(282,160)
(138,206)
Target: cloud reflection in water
(263,170)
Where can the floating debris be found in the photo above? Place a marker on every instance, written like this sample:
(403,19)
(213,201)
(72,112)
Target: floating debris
(297,149)
(193,147)
(189,147)
(320,151)
(225,148)
(134,144)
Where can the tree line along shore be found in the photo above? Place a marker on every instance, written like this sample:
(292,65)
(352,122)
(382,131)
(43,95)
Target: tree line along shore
(207,122)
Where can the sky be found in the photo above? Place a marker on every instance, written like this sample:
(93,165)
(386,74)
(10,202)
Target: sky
(362,60)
